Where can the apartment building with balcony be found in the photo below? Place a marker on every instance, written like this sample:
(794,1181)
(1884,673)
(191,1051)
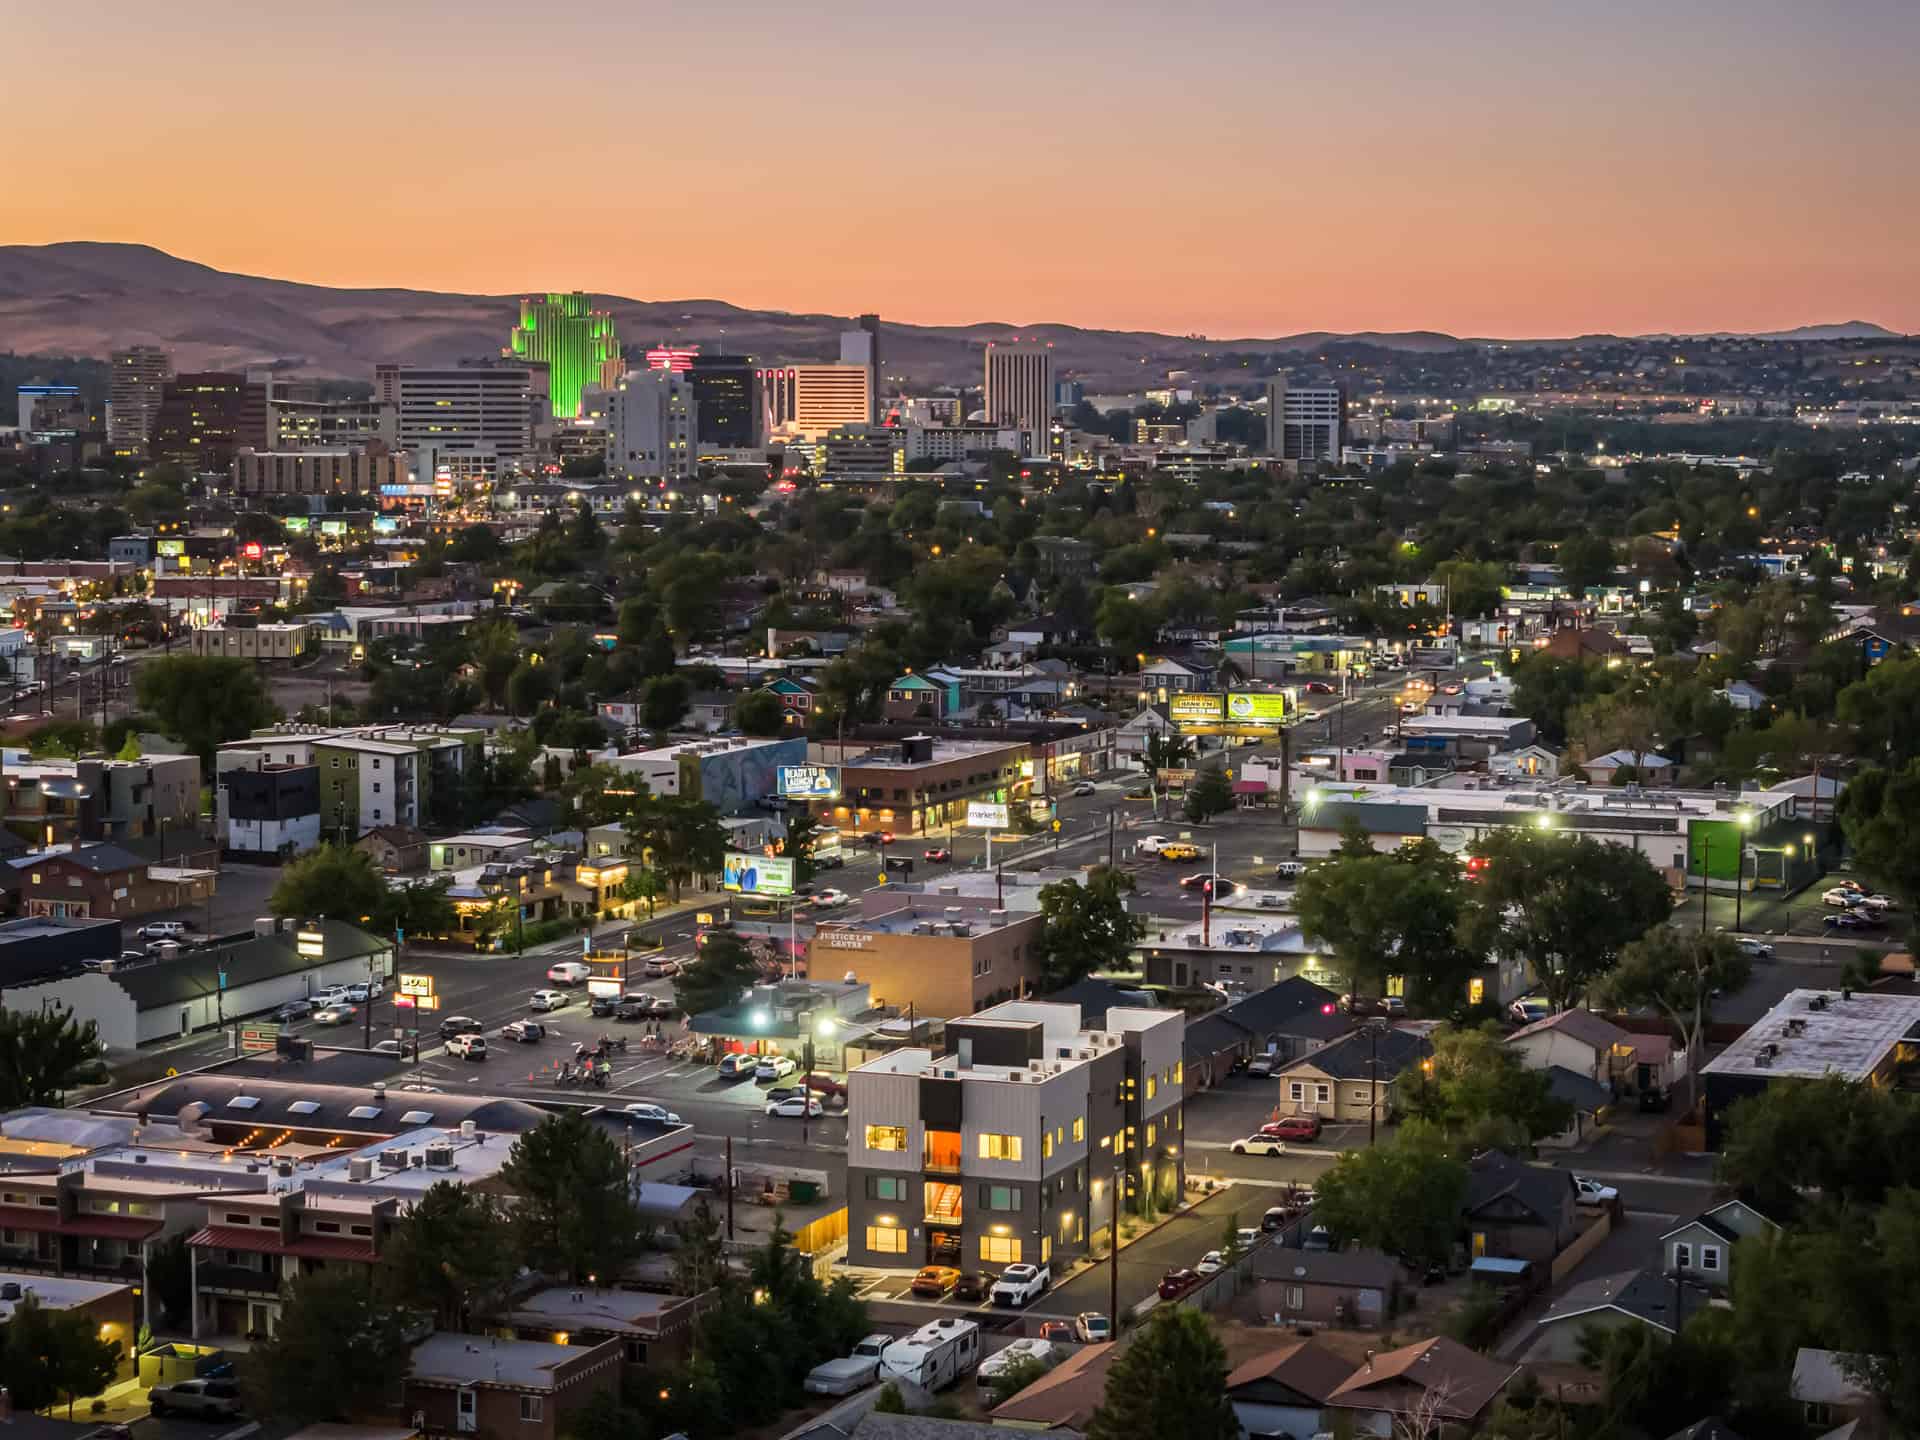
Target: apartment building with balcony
(1013,1143)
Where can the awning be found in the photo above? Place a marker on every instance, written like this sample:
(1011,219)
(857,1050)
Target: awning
(1501,1266)
(1249,787)
(267,1241)
(47,1221)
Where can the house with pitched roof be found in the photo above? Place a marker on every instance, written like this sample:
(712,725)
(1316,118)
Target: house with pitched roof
(1354,1077)
(1438,1380)
(1282,1392)
(1701,1249)
(1518,1212)
(1610,1302)
(1579,1041)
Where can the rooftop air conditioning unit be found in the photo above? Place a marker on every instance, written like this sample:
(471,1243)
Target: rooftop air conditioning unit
(439,1157)
(359,1168)
(393,1159)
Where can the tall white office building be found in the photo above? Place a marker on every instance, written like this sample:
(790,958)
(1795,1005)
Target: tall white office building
(1305,422)
(652,427)
(1019,392)
(468,423)
(862,347)
(139,375)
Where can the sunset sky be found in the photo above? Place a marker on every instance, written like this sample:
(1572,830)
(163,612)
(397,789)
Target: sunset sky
(1232,167)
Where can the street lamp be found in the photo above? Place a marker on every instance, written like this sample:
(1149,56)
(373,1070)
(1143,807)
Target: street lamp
(1745,819)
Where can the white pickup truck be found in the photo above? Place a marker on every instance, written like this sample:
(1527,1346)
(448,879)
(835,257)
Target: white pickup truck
(1021,1285)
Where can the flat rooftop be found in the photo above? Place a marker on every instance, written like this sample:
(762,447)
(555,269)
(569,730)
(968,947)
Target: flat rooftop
(1461,794)
(1234,932)
(1814,1033)
(56,1293)
(570,1307)
(944,753)
(467,1359)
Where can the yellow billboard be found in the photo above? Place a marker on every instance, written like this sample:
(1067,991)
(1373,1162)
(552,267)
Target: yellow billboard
(1195,709)
(1263,707)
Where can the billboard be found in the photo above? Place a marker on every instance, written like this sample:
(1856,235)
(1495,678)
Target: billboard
(808,782)
(986,815)
(169,547)
(1196,709)
(1264,707)
(756,874)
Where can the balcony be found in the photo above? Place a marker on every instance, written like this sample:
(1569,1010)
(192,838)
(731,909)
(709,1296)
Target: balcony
(237,1277)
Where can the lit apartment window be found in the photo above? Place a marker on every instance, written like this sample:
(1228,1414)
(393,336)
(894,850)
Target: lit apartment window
(1153,1134)
(1153,1087)
(1080,1128)
(886,1240)
(887,1137)
(999,1147)
(1180,1073)
(1000,1249)
(1046,1144)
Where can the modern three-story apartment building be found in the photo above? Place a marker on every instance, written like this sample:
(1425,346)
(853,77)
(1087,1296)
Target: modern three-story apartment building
(1010,1146)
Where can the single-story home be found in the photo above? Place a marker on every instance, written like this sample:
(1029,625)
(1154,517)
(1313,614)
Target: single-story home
(1580,1041)
(1440,1378)
(1702,1248)
(1348,1289)
(1827,1386)
(1282,1392)
(1635,1297)
(1651,767)
(1518,1211)
(1352,1078)
(1589,1101)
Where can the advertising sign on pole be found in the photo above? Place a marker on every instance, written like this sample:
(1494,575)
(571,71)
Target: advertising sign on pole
(808,782)
(1260,707)
(987,815)
(756,874)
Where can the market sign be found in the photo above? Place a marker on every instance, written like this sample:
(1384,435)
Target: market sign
(1260,707)
(808,782)
(258,1039)
(756,874)
(1196,709)
(987,815)
(418,986)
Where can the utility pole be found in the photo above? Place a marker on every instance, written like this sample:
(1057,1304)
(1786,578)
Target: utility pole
(1706,875)
(1373,1079)
(727,1180)
(1110,810)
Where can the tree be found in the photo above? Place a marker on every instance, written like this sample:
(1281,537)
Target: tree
(1475,1088)
(452,1253)
(1388,913)
(204,700)
(575,1213)
(1852,1143)
(338,1352)
(1879,812)
(664,701)
(1878,712)
(656,650)
(760,713)
(1014,1378)
(129,747)
(1086,927)
(419,910)
(643,882)
(332,880)
(1677,973)
(1170,1383)
(1565,903)
(495,648)
(803,832)
(529,686)
(699,1259)
(1585,561)
(722,970)
(55,1355)
(1403,1195)
(690,839)
(1208,796)
(44,1053)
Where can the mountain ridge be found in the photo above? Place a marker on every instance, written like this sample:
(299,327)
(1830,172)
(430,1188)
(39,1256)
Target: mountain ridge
(88,297)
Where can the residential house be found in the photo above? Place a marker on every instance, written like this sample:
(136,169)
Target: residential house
(1827,1387)
(1586,1099)
(1528,763)
(1579,1041)
(1349,1289)
(1744,696)
(106,882)
(797,698)
(1064,1399)
(1439,1378)
(655,1332)
(1592,645)
(1282,1392)
(1353,1078)
(1648,767)
(483,1385)
(914,697)
(1701,1249)
(1286,1020)
(1609,1302)
(1164,678)
(711,711)
(1517,1211)
(396,849)
(1130,741)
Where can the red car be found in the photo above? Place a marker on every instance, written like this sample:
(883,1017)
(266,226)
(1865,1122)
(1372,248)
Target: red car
(824,1085)
(939,855)
(1058,1331)
(1293,1127)
(1177,1282)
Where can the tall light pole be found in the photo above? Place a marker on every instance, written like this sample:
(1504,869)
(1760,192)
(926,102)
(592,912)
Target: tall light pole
(1745,817)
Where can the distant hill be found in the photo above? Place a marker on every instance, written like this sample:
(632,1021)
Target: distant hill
(88,297)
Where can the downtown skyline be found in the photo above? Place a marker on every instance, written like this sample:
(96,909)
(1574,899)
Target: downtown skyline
(1510,172)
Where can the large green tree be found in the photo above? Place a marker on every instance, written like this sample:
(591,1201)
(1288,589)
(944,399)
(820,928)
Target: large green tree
(1382,913)
(574,1213)
(1170,1383)
(53,1356)
(1849,1143)
(1086,927)
(336,881)
(1878,712)
(1475,1087)
(44,1054)
(719,973)
(1677,973)
(1403,1195)
(1880,813)
(760,713)
(1567,904)
(452,1253)
(337,1353)
(204,700)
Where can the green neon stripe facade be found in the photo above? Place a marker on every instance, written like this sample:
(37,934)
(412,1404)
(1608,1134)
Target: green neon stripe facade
(574,341)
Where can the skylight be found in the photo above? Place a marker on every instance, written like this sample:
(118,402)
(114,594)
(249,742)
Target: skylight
(416,1117)
(243,1102)
(364,1112)
(304,1107)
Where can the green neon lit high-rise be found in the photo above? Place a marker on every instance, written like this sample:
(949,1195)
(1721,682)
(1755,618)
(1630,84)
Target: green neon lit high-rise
(574,341)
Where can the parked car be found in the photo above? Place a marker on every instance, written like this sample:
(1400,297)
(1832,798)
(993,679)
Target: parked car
(1293,1127)
(1093,1328)
(1020,1285)
(341,1014)
(1208,883)
(661,968)
(774,1067)
(1211,1263)
(1592,1192)
(1082,787)
(824,1085)
(329,995)
(389,1047)
(293,1010)
(938,855)
(468,1047)
(647,1110)
(1057,1331)
(856,1372)
(547,1000)
(526,1032)
(458,1025)
(1852,920)
(1265,1063)
(797,1107)
(164,930)
(361,991)
(934,1281)
(602,1007)
(1177,1282)
(1246,1237)
(972,1285)
(569,972)
(1258,1145)
(829,899)
(736,1066)
(202,1399)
